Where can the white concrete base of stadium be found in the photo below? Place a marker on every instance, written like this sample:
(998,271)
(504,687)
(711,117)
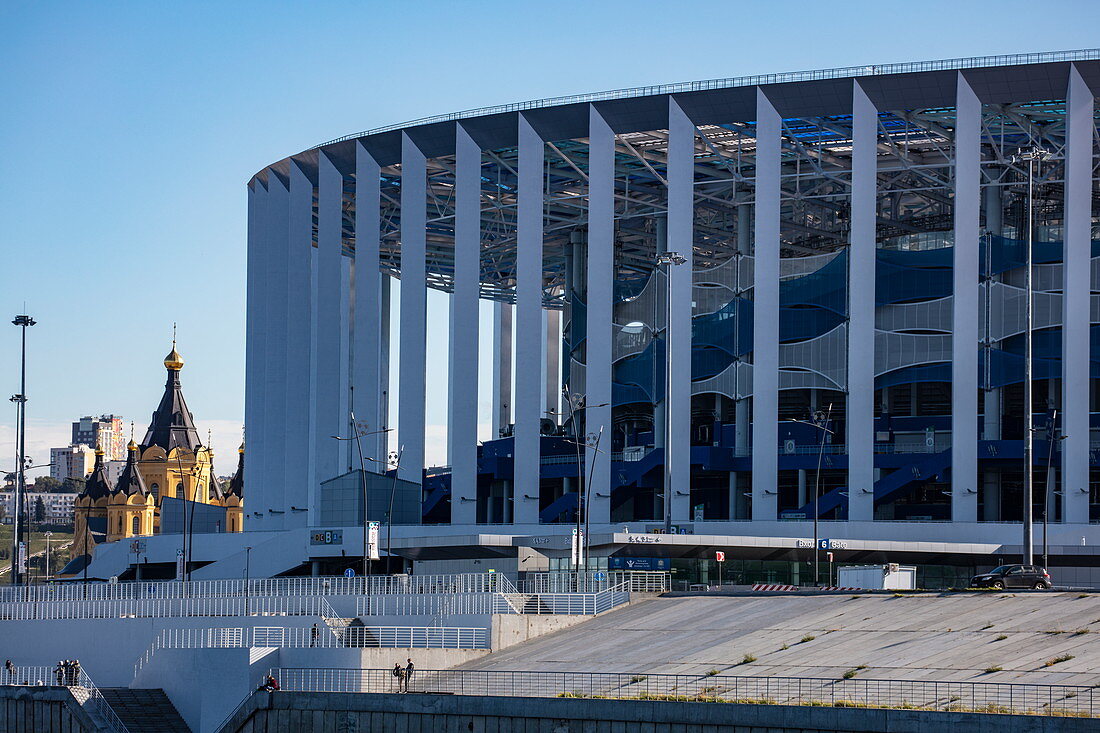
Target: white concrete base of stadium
(482,547)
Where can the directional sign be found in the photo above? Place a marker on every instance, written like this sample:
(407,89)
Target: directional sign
(720,556)
(349,573)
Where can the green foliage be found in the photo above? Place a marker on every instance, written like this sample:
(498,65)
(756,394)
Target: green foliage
(994,668)
(1058,660)
(1001,637)
(807,638)
(748,659)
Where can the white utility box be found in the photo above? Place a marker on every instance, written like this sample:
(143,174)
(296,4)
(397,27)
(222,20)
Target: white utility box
(877,577)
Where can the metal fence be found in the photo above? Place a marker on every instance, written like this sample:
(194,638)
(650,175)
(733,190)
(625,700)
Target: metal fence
(321,636)
(169,608)
(82,687)
(304,586)
(592,581)
(513,602)
(986,697)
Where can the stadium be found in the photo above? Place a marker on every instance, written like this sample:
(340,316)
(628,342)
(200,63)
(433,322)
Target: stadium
(712,302)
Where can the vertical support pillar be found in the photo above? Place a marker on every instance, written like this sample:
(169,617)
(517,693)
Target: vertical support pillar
(1075,302)
(681,239)
(275,386)
(462,433)
(502,367)
(765,327)
(529,343)
(414,310)
(964,362)
(366,374)
(299,296)
(601,281)
(551,382)
(332,325)
(255,353)
(861,309)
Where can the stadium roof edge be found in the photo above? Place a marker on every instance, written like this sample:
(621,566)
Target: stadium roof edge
(975,62)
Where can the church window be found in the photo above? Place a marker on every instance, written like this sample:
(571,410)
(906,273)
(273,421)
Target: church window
(155,488)
(137,525)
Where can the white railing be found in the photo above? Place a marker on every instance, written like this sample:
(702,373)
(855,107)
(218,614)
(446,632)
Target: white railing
(304,586)
(84,690)
(434,604)
(169,608)
(513,602)
(591,581)
(321,636)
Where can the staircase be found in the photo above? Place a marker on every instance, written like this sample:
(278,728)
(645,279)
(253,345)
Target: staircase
(144,711)
(341,629)
(924,468)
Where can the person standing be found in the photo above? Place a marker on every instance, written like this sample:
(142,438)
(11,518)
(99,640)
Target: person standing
(398,674)
(313,636)
(408,673)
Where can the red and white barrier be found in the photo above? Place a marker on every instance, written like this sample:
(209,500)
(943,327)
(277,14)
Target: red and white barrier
(774,587)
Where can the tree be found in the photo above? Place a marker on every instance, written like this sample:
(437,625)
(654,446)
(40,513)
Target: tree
(46,484)
(39,510)
(71,486)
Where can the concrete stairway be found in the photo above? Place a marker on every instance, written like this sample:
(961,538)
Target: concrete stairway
(144,711)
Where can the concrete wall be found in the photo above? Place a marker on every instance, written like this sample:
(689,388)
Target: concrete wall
(42,710)
(205,685)
(509,630)
(307,712)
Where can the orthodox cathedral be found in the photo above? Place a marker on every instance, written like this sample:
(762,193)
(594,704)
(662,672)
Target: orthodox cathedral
(171,463)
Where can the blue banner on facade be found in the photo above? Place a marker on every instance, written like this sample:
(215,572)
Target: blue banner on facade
(638,563)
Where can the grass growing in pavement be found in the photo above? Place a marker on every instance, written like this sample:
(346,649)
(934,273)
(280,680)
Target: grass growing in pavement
(1001,637)
(748,659)
(806,638)
(1058,660)
(994,668)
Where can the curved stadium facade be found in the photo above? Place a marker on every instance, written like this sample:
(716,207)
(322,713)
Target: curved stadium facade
(752,290)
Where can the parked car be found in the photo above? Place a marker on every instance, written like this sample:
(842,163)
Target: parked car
(1013,576)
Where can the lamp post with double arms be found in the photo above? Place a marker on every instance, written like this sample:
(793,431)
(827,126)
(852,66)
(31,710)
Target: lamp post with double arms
(1032,157)
(820,420)
(665,262)
(359,434)
(578,402)
(24,322)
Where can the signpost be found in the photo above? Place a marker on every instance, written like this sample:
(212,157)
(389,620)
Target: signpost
(349,573)
(179,564)
(720,557)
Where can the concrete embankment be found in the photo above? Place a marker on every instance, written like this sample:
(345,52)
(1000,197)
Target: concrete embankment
(1038,638)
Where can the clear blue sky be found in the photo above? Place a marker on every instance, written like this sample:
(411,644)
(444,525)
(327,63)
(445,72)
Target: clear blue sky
(129,129)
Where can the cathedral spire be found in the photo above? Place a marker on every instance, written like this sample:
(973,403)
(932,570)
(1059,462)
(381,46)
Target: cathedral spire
(172,425)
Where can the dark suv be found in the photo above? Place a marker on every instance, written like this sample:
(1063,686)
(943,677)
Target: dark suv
(1013,576)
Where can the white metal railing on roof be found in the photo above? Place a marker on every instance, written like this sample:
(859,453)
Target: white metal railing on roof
(593,581)
(1087,54)
(319,637)
(563,602)
(81,685)
(325,585)
(168,608)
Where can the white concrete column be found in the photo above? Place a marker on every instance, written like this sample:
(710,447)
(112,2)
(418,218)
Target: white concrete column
(332,325)
(462,433)
(256,291)
(551,380)
(1075,306)
(765,358)
(502,367)
(681,239)
(297,465)
(366,374)
(529,343)
(964,363)
(601,285)
(861,309)
(275,384)
(414,310)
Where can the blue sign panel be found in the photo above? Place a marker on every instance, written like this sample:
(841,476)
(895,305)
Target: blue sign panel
(349,573)
(639,563)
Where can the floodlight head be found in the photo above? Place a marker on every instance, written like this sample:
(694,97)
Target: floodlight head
(23,320)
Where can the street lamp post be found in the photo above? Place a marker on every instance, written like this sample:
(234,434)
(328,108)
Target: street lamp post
(1032,157)
(362,480)
(23,321)
(247,583)
(821,422)
(577,401)
(48,534)
(665,262)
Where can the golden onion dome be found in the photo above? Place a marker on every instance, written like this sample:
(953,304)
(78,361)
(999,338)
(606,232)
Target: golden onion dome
(132,446)
(241,449)
(98,450)
(174,361)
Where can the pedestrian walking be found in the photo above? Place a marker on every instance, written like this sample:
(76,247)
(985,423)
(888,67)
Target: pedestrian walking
(313,636)
(408,673)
